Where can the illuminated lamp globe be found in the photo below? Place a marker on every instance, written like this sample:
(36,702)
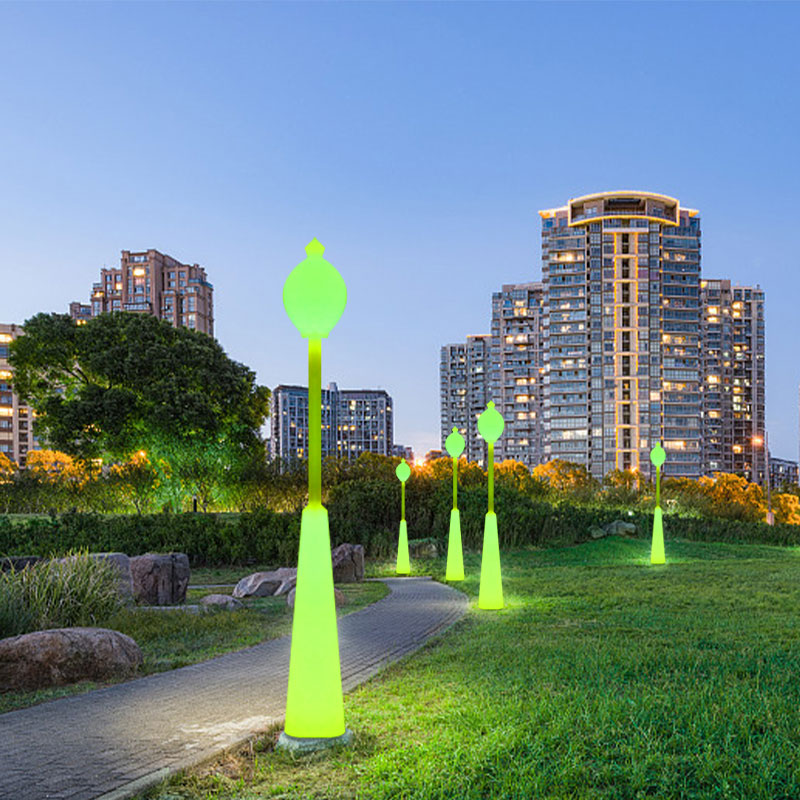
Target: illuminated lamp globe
(454,443)
(403,471)
(658,456)
(490,423)
(314,294)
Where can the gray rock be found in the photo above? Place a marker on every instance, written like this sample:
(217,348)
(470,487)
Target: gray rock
(160,579)
(620,528)
(267,584)
(221,601)
(348,563)
(66,655)
(423,548)
(597,533)
(338,597)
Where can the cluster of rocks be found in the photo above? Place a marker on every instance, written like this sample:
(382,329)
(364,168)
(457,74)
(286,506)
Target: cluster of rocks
(153,579)
(67,655)
(348,567)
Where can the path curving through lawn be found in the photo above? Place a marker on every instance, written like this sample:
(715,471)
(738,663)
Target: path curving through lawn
(112,743)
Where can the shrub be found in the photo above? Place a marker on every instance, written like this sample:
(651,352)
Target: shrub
(59,593)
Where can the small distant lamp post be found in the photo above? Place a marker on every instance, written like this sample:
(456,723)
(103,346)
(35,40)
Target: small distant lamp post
(765,443)
(658,456)
(490,596)
(454,444)
(403,473)
(314,297)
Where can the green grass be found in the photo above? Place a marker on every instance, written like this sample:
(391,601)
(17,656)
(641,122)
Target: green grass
(603,678)
(175,638)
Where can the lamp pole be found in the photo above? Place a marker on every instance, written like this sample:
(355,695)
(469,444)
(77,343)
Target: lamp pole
(314,297)
(770,515)
(764,442)
(454,444)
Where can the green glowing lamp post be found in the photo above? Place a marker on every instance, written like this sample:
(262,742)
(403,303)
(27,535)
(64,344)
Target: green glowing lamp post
(403,472)
(490,596)
(314,297)
(454,444)
(658,457)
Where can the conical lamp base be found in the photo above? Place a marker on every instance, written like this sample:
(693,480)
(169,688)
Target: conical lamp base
(403,561)
(657,548)
(314,705)
(491,591)
(455,558)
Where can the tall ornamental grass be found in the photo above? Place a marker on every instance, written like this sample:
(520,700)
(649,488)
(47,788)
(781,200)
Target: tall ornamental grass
(60,593)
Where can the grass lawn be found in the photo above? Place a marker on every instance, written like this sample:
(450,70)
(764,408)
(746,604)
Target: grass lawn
(171,639)
(603,678)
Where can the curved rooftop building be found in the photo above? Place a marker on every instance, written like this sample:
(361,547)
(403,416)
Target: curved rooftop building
(622,321)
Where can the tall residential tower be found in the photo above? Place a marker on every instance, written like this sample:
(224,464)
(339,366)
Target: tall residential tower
(621,272)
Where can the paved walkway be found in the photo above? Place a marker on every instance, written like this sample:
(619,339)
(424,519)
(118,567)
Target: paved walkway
(112,743)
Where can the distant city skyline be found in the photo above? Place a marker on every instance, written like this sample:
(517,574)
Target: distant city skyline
(229,135)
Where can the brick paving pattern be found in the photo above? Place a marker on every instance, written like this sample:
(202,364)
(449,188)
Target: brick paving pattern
(114,742)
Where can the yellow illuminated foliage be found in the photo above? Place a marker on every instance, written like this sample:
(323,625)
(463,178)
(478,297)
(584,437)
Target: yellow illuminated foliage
(562,475)
(786,508)
(7,467)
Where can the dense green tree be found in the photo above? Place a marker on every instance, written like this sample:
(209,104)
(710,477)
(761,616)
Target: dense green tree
(126,383)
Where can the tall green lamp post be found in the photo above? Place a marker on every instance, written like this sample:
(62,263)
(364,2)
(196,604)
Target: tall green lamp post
(454,444)
(403,473)
(658,456)
(490,596)
(314,297)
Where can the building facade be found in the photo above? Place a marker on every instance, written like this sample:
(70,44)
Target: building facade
(733,369)
(517,368)
(150,282)
(621,272)
(464,376)
(16,420)
(354,421)
(782,471)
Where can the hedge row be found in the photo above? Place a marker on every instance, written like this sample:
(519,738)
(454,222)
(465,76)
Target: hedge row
(361,512)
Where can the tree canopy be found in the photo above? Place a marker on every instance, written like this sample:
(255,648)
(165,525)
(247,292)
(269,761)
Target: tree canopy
(128,383)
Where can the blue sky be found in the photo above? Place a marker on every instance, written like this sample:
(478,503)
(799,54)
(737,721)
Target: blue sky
(416,141)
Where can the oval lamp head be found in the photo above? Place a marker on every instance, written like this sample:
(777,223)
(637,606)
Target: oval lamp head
(454,443)
(490,423)
(658,456)
(314,294)
(403,471)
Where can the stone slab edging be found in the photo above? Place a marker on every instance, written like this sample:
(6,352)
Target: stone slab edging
(113,743)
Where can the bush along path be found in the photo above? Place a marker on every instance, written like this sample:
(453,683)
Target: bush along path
(118,741)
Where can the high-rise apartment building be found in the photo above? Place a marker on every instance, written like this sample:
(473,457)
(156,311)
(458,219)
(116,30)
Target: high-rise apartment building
(517,370)
(16,420)
(354,421)
(153,283)
(733,359)
(464,374)
(621,272)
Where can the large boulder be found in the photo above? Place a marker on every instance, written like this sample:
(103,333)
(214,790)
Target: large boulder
(338,597)
(267,584)
(65,655)
(160,579)
(348,563)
